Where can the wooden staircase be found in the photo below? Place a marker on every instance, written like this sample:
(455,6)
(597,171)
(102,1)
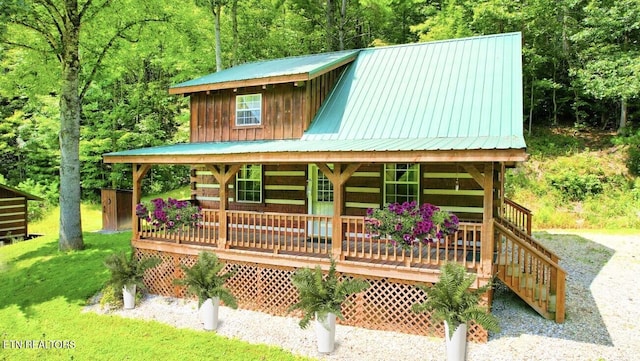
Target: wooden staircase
(527,267)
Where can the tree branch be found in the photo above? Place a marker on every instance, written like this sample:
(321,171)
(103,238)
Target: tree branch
(119,34)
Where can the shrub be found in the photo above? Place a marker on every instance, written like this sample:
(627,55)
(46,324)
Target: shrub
(576,187)
(633,160)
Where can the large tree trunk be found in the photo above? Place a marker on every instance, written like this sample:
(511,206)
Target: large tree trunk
(70,108)
(216,9)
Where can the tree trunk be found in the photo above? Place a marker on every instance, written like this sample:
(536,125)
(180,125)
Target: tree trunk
(531,107)
(70,110)
(343,21)
(329,33)
(623,114)
(234,29)
(216,9)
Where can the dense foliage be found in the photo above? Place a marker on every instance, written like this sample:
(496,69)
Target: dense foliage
(579,59)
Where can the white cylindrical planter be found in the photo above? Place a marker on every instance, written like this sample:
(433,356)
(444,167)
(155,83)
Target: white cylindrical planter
(456,344)
(326,333)
(209,311)
(129,296)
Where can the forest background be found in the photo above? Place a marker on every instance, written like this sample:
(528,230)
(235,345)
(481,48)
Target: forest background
(581,73)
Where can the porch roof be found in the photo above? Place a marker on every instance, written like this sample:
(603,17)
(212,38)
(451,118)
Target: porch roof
(472,149)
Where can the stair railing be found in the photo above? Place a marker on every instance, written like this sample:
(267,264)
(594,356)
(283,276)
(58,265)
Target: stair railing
(531,273)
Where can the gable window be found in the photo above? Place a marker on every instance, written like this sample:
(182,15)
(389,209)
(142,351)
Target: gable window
(249,109)
(401,182)
(249,184)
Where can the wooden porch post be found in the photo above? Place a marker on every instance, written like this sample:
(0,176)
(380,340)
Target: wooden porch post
(139,171)
(223,175)
(338,178)
(487,222)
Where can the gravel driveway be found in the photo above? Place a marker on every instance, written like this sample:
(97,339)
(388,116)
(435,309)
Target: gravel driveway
(603,310)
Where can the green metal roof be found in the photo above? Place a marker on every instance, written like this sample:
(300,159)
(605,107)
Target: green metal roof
(458,90)
(308,64)
(463,94)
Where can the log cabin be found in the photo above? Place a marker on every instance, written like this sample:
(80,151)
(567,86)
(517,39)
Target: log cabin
(288,154)
(14,213)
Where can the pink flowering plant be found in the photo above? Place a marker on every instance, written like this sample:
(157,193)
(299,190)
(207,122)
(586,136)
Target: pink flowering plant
(407,224)
(171,214)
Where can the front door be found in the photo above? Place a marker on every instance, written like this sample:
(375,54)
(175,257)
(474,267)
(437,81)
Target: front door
(320,201)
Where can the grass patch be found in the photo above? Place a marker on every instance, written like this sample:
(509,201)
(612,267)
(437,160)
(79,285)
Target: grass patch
(43,293)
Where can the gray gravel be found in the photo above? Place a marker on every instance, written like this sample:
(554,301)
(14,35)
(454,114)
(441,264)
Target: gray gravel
(603,309)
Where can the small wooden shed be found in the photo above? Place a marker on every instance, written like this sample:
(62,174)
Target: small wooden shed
(117,208)
(14,210)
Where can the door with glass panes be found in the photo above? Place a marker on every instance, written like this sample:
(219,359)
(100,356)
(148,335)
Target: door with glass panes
(320,195)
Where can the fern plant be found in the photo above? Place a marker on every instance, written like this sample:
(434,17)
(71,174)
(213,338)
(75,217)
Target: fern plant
(322,295)
(205,281)
(128,270)
(451,300)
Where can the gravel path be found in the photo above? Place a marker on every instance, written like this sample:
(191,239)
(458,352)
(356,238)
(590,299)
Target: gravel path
(603,307)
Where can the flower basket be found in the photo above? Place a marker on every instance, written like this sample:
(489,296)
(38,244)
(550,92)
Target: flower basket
(406,225)
(172,214)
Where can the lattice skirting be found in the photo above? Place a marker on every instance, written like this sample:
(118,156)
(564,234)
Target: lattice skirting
(386,305)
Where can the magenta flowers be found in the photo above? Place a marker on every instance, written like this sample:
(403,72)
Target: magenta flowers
(171,214)
(407,225)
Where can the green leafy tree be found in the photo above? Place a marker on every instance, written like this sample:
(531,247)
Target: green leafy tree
(610,53)
(63,28)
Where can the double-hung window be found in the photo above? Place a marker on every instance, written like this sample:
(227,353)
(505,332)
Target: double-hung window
(401,182)
(248,109)
(249,184)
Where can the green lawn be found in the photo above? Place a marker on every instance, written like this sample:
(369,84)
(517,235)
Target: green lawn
(43,291)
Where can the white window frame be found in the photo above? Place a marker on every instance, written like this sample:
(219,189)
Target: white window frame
(248,110)
(244,176)
(392,168)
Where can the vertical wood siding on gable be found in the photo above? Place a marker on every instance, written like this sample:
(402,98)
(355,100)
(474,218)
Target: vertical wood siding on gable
(287,111)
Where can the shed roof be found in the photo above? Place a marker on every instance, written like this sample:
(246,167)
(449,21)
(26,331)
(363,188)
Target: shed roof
(451,96)
(20,193)
(298,68)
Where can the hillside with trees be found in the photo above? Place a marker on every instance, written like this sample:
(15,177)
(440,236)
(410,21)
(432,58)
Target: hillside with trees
(84,77)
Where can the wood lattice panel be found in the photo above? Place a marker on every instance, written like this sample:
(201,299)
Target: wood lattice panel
(385,305)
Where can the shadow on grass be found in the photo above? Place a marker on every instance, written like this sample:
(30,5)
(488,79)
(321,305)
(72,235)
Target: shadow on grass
(583,260)
(43,274)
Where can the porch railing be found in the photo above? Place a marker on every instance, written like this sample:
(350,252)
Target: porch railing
(311,235)
(462,247)
(280,232)
(518,215)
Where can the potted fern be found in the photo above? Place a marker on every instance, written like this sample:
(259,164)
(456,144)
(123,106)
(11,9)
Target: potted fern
(452,301)
(205,281)
(127,273)
(321,298)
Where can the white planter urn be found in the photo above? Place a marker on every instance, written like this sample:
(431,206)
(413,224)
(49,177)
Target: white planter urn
(129,296)
(209,311)
(326,333)
(456,344)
